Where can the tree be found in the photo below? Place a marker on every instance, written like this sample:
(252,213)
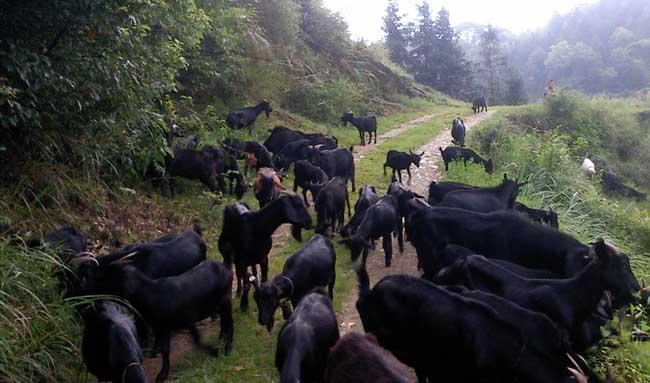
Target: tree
(424,53)
(452,70)
(492,65)
(396,35)
(515,94)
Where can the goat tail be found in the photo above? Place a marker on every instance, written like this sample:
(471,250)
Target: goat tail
(364,281)
(441,151)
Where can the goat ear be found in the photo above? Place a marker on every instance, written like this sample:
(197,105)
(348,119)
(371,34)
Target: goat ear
(505,177)
(421,154)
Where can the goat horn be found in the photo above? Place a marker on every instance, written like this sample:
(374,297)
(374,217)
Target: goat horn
(575,364)
(608,298)
(124,258)
(579,377)
(642,283)
(76,262)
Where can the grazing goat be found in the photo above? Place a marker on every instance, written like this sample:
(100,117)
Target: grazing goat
(245,117)
(67,240)
(246,237)
(358,358)
(438,190)
(335,163)
(194,165)
(484,200)
(305,340)
(363,125)
(380,220)
(458,132)
(479,105)
(268,186)
(548,217)
(399,161)
(304,174)
(613,185)
(176,303)
(569,302)
(109,346)
(234,147)
(367,197)
(330,203)
(452,153)
(473,342)
(502,235)
(310,267)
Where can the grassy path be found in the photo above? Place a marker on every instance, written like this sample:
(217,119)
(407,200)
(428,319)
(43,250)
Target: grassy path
(252,359)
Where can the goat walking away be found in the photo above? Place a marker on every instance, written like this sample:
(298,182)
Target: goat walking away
(305,340)
(458,132)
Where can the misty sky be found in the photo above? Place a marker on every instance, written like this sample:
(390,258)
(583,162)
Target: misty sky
(364,17)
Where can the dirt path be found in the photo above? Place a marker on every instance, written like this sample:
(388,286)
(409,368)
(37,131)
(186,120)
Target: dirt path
(182,343)
(405,263)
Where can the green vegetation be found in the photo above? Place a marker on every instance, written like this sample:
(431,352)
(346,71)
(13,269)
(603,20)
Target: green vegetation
(545,144)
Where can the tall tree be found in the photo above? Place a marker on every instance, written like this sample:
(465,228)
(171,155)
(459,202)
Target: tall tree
(492,65)
(452,71)
(396,34)
(424,54)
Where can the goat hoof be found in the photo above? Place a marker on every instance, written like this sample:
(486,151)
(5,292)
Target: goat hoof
(388,262)
(214,352)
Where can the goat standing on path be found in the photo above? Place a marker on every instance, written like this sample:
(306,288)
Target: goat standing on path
(399,161)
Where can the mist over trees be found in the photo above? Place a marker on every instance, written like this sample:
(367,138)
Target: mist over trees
(601,48)
(430,49)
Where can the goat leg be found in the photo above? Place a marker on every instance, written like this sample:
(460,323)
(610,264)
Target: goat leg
(227,331)
(196,338)
(165,338)
(286,309)
(387,242)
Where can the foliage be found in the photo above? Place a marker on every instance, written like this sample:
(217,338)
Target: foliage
(324,101)
(595,48)
(38,336)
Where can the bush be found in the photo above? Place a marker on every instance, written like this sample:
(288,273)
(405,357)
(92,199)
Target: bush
(324,100)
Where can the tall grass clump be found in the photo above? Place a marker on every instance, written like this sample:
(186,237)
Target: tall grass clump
(39,332)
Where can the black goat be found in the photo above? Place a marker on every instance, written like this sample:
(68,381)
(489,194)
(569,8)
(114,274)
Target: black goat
(170,255)
(176,303)
(305,340)
(438,190)
(292,152)
(310,267)
(452,153)
(548,217)
(380,220)
(479,105)
(335,163)
(613,185)
(234,147)
(503,235)
(367,197)
(245,117)
(399,161)
(281,136)
(267,186)
(195,165)
(570,302)
(484,200)
(246,237)
(304,174)
(330,203)
(473,342)
(363,125)
(109,346)
(358,358)
(67,240)
(402,196)
(458,132)
(257,156)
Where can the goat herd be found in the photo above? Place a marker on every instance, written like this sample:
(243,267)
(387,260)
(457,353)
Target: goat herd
(521,311)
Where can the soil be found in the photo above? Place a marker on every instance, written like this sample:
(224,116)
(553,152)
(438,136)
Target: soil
(402,263)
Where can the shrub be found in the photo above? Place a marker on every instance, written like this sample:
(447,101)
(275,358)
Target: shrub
(324,100)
